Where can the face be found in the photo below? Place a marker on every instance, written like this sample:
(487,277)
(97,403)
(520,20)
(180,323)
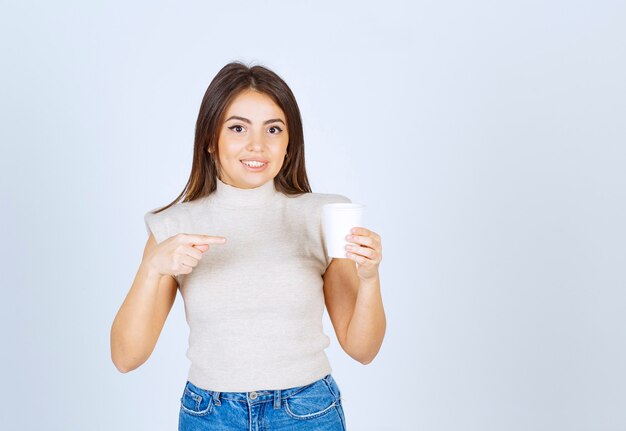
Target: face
(255,128)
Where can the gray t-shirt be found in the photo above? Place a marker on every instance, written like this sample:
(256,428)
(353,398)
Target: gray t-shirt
(254,305)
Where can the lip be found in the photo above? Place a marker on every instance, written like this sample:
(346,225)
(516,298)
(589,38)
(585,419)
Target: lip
(254,160)
(251,169)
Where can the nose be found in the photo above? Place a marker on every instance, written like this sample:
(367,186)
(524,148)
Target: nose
(257,142)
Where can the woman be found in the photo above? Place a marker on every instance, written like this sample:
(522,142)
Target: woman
(244,245)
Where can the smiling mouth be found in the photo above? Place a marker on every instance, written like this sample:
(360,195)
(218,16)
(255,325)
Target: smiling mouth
(253,164)
(254,168)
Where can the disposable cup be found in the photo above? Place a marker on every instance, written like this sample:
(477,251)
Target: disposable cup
(337,222)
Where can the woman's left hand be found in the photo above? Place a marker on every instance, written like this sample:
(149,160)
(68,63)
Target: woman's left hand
(367,252)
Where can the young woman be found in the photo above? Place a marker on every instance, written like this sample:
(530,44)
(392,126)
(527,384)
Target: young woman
(243,243)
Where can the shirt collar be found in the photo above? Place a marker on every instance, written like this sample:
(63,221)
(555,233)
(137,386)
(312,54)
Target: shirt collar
(236,197)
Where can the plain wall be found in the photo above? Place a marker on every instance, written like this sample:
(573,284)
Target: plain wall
(486,139)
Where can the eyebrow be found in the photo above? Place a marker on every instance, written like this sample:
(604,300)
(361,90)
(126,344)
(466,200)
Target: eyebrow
(245,120)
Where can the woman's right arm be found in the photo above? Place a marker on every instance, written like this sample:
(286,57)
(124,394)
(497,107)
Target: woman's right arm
(141,317)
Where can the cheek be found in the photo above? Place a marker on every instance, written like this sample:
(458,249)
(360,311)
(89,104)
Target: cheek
(230,148)
(284,142)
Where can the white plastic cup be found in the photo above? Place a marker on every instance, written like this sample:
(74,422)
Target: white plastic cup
(337,222)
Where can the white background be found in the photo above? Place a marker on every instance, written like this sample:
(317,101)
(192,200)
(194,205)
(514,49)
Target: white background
(486,139)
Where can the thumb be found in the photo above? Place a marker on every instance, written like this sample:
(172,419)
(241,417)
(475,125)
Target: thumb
(202,247)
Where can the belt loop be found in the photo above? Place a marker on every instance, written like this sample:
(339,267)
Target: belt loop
(277,399)
(216,398)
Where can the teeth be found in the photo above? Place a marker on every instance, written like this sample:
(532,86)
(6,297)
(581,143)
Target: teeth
(253,164)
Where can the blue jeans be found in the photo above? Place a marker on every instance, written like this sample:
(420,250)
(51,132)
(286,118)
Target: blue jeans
(316,406)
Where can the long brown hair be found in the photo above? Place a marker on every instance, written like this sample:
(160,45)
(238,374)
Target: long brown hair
(231,80)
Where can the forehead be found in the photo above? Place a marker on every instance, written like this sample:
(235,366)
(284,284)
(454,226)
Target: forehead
(255,106)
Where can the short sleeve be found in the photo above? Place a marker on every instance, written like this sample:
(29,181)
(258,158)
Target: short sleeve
(334,199)
(156,224)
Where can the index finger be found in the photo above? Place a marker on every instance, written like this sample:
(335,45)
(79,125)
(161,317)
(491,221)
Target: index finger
(204,239)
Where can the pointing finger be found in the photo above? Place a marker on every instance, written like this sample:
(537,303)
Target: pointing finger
(205,239)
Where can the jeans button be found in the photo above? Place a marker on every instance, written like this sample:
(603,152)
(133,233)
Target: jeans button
(253,395)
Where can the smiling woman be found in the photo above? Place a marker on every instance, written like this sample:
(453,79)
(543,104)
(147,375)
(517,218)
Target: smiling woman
(252,142)
(247,113)
(244,244)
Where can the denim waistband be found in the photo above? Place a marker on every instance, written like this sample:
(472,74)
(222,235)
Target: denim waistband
(261,396)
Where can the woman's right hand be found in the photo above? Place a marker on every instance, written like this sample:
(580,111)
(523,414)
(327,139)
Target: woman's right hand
(180,253)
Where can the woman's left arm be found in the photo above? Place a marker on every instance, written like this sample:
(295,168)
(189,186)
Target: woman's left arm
(353,296)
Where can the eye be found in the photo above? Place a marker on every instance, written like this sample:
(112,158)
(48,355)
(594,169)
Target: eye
(235,126)
(276,127)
